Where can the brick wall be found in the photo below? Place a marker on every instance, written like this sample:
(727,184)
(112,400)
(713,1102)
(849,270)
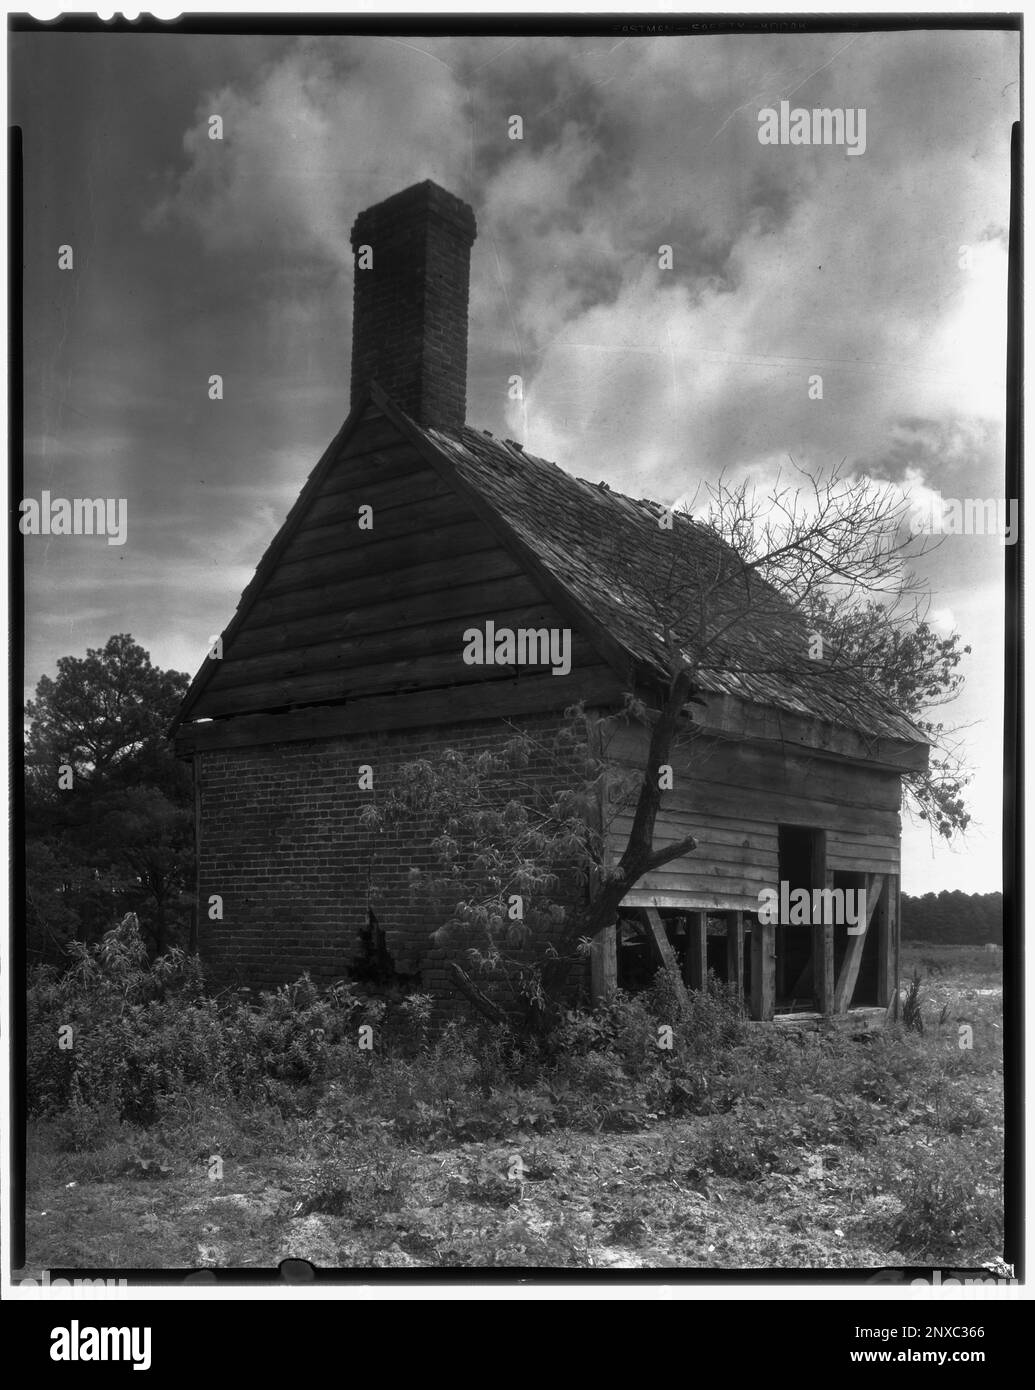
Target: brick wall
(281,844)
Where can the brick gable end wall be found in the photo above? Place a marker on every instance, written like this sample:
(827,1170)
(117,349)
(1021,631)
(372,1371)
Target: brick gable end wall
(282,845)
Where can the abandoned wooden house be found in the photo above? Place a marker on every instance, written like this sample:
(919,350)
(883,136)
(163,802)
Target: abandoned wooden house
(348,650)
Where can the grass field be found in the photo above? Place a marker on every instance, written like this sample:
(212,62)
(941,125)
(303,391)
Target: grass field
(750,1147)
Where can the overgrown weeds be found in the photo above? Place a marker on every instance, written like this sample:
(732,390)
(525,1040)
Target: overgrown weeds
(133,1064)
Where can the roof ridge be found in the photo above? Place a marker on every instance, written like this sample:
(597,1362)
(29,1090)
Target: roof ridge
(548,510)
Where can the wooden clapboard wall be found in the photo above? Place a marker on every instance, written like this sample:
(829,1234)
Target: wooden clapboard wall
(347,613)
(733,798)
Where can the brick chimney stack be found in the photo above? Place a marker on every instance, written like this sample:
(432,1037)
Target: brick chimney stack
(409,325)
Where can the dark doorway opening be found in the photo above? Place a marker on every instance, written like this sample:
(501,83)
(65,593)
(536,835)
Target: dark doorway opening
(636,960)
(800,851)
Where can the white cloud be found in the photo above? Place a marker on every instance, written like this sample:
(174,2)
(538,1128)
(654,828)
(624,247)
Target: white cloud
(942,620)
(313,141)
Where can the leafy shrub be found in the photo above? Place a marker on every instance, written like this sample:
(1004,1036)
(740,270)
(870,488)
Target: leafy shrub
(952,1202)
(112,1031)
(85,1128)
(740,1145)
(360,1183)
(140,1032)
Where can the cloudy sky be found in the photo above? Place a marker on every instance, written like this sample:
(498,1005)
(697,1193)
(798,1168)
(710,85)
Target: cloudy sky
(194,257)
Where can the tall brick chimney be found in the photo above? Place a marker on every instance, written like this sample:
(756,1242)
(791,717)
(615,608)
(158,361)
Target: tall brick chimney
(409,325)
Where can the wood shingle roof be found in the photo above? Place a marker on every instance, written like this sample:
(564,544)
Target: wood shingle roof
(610,553)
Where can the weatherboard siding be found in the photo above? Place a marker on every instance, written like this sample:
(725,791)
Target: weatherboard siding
(733,797)
(347,612)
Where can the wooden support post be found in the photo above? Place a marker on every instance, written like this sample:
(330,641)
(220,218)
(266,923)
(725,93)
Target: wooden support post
(823,958)
(763,970)
(696,972)
(195,914)
(657,934)
(895,930)
(822,934)
(884,927)
(849,974)
(603,951)
(603,964)
(735,951)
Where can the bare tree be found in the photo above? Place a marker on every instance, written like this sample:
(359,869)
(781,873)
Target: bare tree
(736,589)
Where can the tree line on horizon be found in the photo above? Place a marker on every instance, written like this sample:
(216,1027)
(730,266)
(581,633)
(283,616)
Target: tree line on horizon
(953,916)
